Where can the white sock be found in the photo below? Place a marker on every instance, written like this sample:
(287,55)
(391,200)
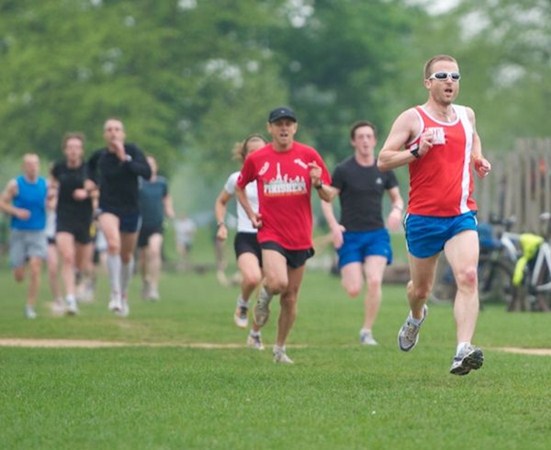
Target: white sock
(114,269)
(242,303)
(254,333)
(126,274)
(414,320)
(461,346)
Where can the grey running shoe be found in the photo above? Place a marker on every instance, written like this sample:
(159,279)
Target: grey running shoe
(240,317)
(366,338)
(469,358)
(408,336)
(280,356)
(255,341)
(262,308)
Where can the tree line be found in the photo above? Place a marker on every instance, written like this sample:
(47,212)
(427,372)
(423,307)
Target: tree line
(191,77)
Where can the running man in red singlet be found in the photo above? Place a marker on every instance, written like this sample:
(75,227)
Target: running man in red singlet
(285,172)
(442,149)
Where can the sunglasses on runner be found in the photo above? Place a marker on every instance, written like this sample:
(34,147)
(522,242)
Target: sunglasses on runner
(455,76)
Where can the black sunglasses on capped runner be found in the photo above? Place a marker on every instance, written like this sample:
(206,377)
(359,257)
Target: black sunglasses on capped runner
(455,76)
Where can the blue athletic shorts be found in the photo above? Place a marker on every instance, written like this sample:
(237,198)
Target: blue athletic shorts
(427,235)
(358,245)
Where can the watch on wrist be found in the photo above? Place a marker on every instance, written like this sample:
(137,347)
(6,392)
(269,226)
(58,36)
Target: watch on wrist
(127,158)
(221,223)
(319,186)
(415,152)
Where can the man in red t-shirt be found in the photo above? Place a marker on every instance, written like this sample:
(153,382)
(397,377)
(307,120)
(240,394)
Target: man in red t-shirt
(285,172)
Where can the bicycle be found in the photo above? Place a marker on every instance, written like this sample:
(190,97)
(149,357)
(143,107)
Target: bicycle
(497,260)
(532,275)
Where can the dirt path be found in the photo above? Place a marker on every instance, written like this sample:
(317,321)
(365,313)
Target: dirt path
(526,351)
(82,343)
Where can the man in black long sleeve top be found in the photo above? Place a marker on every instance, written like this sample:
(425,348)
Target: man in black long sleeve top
(115,170)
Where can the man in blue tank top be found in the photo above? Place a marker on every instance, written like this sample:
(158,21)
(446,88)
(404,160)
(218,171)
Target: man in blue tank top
(24,199)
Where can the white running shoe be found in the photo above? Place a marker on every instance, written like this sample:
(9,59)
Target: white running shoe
(408,336)
(280,356)
(125,309)
(366,338)
(58,307)
(262,308)
(469,358)
(255,341)
(30,313)
(115,304)
(146,289)
(222,279)
(86,294)
(72,308)
(154,295)
(85,291)
(240,316)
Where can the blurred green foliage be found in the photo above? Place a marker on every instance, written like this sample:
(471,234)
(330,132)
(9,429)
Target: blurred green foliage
(191,77)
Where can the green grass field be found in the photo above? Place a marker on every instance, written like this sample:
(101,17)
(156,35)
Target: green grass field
(165,390)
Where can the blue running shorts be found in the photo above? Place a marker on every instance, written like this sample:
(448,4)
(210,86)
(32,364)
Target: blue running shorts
(358,245)
(427,235)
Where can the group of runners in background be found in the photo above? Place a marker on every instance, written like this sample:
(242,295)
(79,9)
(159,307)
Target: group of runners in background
(117,193)
(438,141)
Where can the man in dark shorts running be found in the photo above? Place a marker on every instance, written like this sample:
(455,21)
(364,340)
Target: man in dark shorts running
(74,216)
(116,169)
(155,203)
(285,172)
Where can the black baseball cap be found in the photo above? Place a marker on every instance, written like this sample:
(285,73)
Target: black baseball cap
(282,113)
